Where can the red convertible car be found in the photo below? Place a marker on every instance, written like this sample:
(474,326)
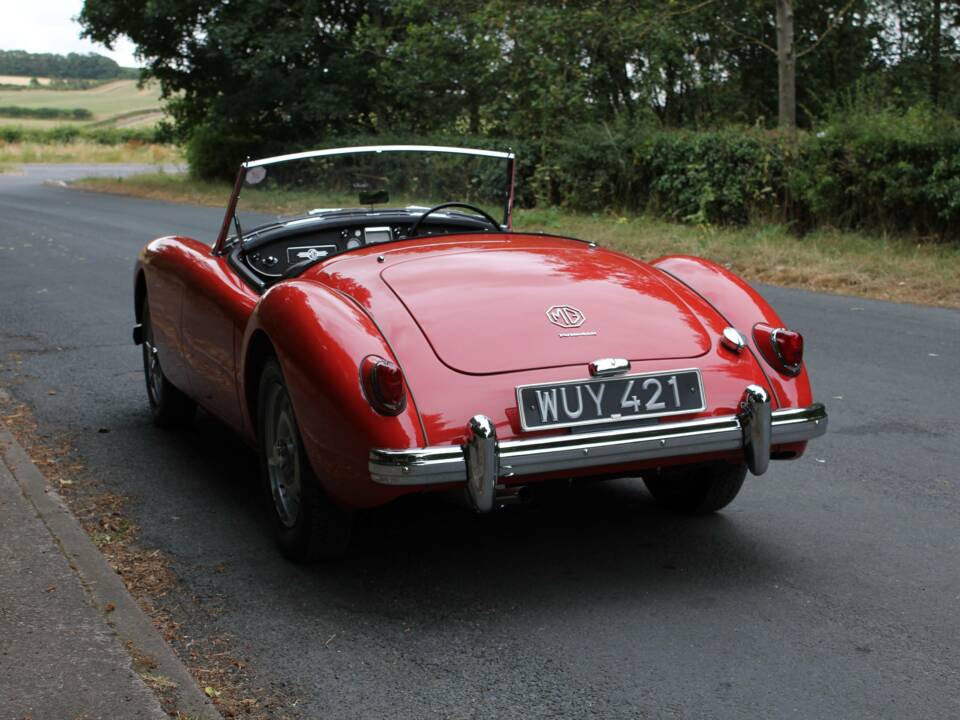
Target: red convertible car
(370,322)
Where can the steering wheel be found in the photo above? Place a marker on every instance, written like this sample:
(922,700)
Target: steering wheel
(482,213)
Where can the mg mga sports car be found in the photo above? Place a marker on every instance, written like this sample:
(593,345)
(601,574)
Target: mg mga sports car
(370,322)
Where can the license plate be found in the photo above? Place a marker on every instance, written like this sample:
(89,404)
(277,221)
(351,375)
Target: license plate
(609,400)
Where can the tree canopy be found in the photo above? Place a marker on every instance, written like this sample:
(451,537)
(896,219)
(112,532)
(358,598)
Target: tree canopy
(304,70)
(75,66)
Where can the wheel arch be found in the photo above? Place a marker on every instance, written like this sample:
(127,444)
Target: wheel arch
(259,349)
(319,337)
(139,294)
(742,307)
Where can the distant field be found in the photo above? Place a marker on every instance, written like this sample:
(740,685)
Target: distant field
(21,80)
(120,102)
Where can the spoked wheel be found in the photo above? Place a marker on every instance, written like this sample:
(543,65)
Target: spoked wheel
(169,406)
(284,473)
(307,524)
(696,489)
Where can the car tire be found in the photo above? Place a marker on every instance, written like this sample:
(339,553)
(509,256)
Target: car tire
(696,489)
(307,524)
(169,406)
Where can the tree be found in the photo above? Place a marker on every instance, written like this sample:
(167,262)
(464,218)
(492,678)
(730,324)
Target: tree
(786,67)
(817,24)
(259,71)
(256,75)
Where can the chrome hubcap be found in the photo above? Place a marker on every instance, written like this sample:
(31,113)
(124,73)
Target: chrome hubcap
(283,460)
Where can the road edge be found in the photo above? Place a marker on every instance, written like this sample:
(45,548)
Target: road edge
(132,625)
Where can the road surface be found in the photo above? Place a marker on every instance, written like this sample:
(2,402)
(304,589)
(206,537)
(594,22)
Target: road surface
(830,588)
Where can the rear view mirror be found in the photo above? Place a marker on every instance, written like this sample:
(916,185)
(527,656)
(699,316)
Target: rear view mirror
(255,175)
(374,197)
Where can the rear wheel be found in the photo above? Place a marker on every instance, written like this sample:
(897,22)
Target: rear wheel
(696,489)
(169,406)
(308,525)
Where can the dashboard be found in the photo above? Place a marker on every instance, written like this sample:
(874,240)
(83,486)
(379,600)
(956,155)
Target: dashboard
(271,251)
(273,259)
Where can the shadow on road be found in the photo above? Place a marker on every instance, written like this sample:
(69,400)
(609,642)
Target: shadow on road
(424,556)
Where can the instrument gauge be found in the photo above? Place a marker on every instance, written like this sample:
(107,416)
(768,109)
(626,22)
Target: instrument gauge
(353,244)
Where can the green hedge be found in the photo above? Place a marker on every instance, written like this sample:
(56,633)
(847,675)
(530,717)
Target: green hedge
(45,113)
(69,133)
(898,173)
(882,171)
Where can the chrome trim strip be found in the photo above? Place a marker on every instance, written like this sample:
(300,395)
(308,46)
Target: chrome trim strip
(603,367)
(529,456)
(376,148)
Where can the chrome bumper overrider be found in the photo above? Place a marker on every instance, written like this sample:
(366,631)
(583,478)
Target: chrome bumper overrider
(483,460)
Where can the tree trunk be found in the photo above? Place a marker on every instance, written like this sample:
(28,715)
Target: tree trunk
(786,66)
(935,55)
(474,115)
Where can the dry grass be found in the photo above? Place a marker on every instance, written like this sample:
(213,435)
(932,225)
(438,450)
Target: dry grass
(868,265)
(84,151)
(161,186)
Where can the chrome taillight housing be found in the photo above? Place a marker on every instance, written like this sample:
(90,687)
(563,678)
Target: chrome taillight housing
(383,385)
(780,347)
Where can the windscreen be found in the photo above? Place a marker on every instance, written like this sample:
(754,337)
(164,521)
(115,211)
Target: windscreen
(372,180)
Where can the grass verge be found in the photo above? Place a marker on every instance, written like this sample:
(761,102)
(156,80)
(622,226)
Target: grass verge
(87,151)
(867,265)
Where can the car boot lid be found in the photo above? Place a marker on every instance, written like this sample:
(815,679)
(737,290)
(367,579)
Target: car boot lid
(513,308)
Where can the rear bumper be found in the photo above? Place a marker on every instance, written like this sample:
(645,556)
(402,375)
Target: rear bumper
(752,430)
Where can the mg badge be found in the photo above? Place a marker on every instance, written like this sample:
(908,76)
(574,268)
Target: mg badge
(565,316)
(312,254)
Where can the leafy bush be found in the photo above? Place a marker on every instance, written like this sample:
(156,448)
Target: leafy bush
(893,171)
(214,154)
(886,171)
(45,113)
(62,134)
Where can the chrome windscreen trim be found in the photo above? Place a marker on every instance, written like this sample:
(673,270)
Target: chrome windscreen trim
(377,149)
(528,456)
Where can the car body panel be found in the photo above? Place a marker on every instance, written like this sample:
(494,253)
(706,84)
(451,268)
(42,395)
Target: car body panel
(217,307)
(742,307)
(320,337)
(604,305)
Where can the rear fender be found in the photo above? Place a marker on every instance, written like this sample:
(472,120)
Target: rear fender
(742,307)
(320,337)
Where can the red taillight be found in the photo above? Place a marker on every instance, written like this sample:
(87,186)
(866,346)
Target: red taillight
(789,346)
(781,348)
(383,385)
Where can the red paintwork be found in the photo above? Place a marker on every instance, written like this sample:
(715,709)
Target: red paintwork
(629,307)
(743,307)
(464,318)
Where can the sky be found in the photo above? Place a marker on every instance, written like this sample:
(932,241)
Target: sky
(48,26)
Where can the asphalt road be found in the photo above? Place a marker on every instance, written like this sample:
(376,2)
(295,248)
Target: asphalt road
(830,588)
